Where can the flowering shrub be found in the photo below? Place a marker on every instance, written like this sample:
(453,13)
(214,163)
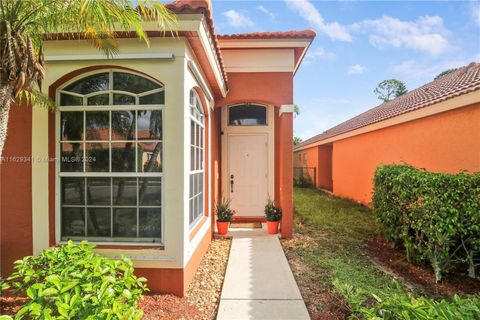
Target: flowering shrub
(73,282)
(435,216)
(224,213)
(272,213)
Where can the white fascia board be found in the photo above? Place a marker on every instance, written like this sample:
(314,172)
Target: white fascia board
(264,43)
(262,69)
(201,80)
(286,108)
(213,59)
(120,56)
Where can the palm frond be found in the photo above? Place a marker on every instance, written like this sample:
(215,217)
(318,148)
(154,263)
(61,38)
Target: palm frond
(35,98)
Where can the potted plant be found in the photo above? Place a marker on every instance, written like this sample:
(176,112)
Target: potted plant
(273,215)
(224,216)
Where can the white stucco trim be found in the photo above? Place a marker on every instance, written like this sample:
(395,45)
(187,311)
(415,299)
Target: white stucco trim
(287,108)
(172,74)
(40,196)
(264,43)
(120,56)
(195,242)
(213,59)
(201,81)
(259,60)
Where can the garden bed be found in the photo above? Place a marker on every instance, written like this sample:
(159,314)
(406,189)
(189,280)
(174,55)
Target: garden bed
(420,276)
(341,263)
(200,302)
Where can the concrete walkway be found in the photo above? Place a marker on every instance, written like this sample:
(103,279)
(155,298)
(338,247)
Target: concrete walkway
(259,283)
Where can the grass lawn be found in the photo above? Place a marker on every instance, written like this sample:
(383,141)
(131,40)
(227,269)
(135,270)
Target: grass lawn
(336,276)
(326,255)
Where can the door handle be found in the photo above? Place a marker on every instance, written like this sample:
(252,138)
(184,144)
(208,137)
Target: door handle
(231,183)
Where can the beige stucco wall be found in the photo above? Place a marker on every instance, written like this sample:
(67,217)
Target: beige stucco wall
(172,73)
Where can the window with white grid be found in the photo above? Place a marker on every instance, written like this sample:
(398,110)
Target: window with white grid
(197,159)
(110,131)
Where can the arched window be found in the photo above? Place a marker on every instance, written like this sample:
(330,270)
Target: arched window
(247,115)
(110,132)
(197,159)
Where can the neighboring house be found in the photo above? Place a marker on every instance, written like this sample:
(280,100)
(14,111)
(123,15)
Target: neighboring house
(143,146)
(435,127)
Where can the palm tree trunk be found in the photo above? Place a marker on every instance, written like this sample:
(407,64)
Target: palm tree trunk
(6,99)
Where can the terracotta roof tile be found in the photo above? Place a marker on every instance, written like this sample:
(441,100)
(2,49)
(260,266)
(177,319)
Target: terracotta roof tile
(462,81)
(200,7)
(295,34)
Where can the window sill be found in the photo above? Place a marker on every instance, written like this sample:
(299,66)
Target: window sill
(122,245)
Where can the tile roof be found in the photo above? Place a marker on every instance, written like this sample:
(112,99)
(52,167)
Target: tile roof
(462,81)
(296,34)
(200,7)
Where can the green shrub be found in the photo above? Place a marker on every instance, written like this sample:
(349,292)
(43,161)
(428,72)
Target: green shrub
(407,307)
(303,180)
(71,281)
(435,216)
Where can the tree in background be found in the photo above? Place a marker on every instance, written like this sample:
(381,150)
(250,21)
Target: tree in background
(296,110)
(297,140)
(390,89)
(444,73)
(25,23)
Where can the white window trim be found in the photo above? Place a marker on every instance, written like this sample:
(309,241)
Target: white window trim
(247,125)
(59,175)
(193,172)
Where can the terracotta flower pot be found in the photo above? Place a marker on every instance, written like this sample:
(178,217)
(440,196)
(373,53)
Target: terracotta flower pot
(272,227)
(222,227)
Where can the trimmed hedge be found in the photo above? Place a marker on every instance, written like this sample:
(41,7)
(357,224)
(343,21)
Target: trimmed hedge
(435,216)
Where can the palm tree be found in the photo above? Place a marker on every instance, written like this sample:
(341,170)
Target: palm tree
(25,23)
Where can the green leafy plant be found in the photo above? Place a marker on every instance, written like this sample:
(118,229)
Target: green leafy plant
(435,216)
(71,281)
(223,211)
(406,306)
(272,213)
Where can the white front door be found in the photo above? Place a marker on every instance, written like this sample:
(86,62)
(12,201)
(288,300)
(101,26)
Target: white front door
(248,173)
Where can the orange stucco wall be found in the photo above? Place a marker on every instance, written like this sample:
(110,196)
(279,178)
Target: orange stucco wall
(307,158)
(446,142)
(320,158)
(175,281)
(16,190)
(216,159)
(324,169)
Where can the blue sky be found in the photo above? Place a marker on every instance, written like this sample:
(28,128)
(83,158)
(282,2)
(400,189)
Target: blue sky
(358,45)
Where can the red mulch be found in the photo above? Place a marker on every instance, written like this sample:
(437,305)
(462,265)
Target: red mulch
(154,306)
(420,276)
(167,306)
(10,304)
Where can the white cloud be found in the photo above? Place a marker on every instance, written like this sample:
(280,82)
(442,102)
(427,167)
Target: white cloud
(318,53)
(267,12)
(237,19)
(418,73)
(307,11)
(426,34)
(356,69)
